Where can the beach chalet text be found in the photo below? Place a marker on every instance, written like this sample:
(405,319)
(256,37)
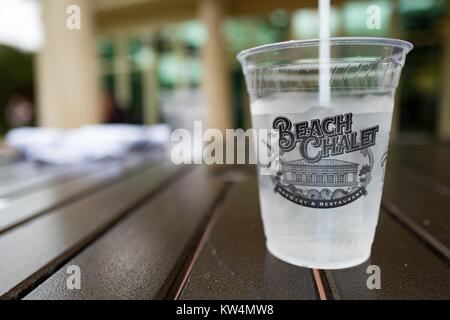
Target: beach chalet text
(329,137)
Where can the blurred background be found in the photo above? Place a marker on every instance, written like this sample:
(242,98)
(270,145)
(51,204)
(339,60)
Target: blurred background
(173,61)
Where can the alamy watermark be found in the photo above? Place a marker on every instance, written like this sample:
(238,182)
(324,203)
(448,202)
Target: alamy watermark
(374,280)
(237,146)
(73,21)
(314,139)
(73,281)
(373,17)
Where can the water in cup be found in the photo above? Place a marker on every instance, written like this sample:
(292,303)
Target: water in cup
(320,205)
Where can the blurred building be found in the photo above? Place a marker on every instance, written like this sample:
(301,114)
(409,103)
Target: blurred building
(149,61)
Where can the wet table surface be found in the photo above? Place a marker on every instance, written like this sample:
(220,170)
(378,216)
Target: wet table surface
(143,228)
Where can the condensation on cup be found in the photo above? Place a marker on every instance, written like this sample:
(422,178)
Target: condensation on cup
(320,201)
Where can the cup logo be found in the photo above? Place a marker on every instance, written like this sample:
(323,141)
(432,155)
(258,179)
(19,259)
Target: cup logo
(318,179)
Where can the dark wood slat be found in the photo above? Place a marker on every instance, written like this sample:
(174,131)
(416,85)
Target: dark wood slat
(8,156)
(139,258)
(23,168)
(234,262)
(23,174)
(423,164)
(423,210)
(31,205)
(37,177)
(31,251)
(409,270)
(14,168)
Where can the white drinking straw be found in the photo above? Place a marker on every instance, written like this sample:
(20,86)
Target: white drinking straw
(324,100)
(324,73)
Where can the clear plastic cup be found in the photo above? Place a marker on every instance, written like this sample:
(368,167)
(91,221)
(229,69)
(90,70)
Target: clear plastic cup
(320,197)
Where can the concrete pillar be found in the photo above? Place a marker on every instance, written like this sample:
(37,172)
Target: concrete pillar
(67,79)
(216,78)
(444,113)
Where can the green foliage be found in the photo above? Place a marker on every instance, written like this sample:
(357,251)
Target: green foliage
(16,77)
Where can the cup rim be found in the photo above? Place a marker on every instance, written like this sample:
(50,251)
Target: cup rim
(405,45)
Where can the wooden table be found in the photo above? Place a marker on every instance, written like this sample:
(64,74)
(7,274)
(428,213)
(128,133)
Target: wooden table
(143,228)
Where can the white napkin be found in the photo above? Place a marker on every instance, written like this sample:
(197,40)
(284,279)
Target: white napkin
(86,144)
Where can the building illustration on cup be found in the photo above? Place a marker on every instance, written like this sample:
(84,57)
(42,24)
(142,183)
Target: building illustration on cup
(323,181)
